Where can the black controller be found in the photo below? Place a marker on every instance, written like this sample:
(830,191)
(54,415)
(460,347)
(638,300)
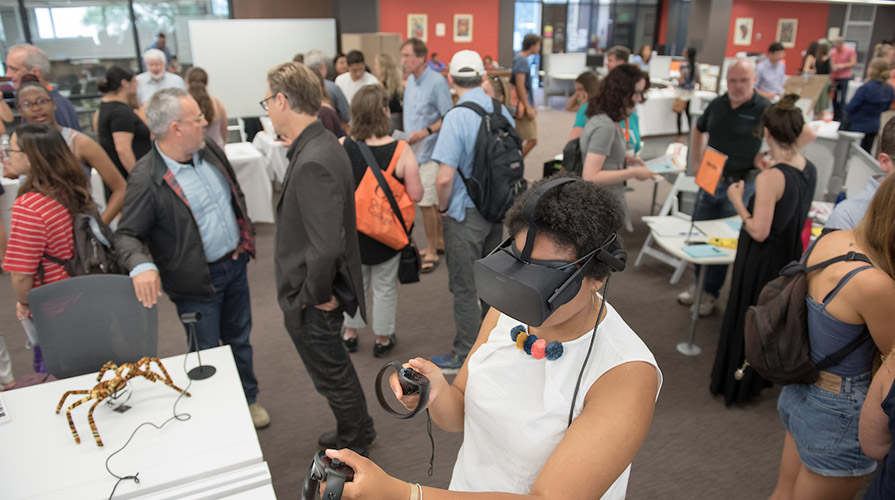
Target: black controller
(332,471)
(412,382)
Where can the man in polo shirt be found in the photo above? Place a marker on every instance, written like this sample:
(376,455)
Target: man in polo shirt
(527,115)
(427,98)
(468,236)
(731,122)
(25,58)
(185,207)
(842,60)
(770,73)
(156,77)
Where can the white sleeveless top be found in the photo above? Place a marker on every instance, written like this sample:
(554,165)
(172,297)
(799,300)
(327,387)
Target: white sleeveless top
(517,407)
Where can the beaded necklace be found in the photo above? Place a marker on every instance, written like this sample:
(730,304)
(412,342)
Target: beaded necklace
(533,346)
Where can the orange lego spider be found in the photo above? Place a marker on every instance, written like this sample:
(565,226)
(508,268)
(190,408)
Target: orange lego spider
(109,387)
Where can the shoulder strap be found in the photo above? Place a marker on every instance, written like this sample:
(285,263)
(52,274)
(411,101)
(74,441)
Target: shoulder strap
(845,279)
(848,257)
(838,356)
(473,106)
(377,171)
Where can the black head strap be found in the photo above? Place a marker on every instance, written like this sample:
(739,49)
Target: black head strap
(528,212)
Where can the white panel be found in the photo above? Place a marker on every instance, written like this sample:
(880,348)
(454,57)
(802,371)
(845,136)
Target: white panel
(237,53)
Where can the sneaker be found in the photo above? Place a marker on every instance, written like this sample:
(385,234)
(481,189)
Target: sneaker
(260,417)
(449,363)
(350,344)
(328,440)
(687,296)
(706,305)
(380,350)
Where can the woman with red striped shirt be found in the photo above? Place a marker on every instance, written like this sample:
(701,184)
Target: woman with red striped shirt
(54,188)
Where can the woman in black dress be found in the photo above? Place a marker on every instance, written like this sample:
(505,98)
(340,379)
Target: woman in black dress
(120,131)
(769,239)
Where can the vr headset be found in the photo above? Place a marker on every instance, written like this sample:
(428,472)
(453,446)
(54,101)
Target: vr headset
(530,290)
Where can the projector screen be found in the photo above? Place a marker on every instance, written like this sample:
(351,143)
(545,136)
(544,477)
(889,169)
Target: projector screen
(237,53)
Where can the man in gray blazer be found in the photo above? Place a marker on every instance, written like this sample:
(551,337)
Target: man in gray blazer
(316,257)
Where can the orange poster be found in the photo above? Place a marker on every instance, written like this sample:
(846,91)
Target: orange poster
(710,170)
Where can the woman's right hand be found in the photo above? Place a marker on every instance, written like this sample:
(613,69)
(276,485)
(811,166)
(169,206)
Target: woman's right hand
(641,173)
(437,382)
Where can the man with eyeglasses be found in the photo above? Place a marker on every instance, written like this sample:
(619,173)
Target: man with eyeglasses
(184,204)
(317,262)
(25,59)
(849,212)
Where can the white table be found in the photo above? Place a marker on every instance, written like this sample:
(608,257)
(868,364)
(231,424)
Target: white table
(655,114)
(674,244)
(11,187)
(275,152)
(215,452)
(251,169)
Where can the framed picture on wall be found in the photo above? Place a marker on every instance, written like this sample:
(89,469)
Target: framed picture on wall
(462,27)
(417,26)
(742,31)
(786,32)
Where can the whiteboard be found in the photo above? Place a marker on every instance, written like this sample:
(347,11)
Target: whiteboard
(237,53)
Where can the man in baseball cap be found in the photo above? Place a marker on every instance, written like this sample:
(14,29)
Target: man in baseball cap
(468,236)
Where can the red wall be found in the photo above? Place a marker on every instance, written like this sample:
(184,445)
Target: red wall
(663,23)
(485,20)
(812,18)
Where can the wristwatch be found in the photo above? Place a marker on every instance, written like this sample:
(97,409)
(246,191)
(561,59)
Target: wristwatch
(429,129)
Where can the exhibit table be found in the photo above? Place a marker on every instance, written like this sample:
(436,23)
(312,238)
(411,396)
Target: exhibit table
(674,244)
(275,152)
(252,172)
(213,454)
(656,117)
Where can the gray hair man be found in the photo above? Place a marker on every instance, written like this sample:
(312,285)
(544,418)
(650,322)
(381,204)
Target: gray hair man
(25,58)
(316,60)
(185,206)
(155,77)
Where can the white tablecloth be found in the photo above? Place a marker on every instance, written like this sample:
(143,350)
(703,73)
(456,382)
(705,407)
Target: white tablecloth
(655,114)
(251,169)
(275,152)
(11,187)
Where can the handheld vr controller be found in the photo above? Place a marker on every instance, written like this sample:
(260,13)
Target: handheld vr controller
(412,382)
(332,471)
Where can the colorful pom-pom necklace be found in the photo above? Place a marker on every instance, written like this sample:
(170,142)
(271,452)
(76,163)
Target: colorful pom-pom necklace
(533,346)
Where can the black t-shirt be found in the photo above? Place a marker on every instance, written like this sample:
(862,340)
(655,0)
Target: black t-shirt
(119,117)
(734,132)
(371,251)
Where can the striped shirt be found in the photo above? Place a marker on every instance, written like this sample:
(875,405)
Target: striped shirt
(39,225)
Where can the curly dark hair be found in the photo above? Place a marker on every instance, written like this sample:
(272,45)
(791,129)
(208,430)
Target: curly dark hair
(616,93)
(576,215)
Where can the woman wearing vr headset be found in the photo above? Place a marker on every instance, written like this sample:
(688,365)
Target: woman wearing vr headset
(556,380)
(769,239)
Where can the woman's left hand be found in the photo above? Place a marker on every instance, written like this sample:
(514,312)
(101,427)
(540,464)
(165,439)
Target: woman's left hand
(22,311)
(735,191)
(370,482)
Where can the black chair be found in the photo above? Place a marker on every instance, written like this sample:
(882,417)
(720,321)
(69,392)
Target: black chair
(86,321)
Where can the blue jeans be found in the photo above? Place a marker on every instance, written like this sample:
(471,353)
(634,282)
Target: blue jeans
(839,97)
(227,318)
(717,206)
(318,339)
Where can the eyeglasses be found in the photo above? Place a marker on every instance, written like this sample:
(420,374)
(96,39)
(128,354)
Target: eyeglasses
(264,104)
(27,105)
(197,119)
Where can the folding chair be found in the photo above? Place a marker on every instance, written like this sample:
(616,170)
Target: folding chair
(682,184)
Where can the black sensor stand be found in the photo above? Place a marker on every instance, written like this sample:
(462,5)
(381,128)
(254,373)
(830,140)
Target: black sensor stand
(200,372)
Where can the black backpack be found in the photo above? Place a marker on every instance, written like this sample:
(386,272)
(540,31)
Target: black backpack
(94,253)
(776,332)
(572,159)
(497,165)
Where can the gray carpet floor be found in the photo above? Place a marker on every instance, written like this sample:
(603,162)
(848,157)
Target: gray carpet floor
(696,447)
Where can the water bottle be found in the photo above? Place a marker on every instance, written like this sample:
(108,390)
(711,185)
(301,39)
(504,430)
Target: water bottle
(841,195)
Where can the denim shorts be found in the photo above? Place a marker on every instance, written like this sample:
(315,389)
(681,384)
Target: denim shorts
(825,426)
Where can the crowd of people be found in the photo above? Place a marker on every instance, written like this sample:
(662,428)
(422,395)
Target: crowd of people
(182,229)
